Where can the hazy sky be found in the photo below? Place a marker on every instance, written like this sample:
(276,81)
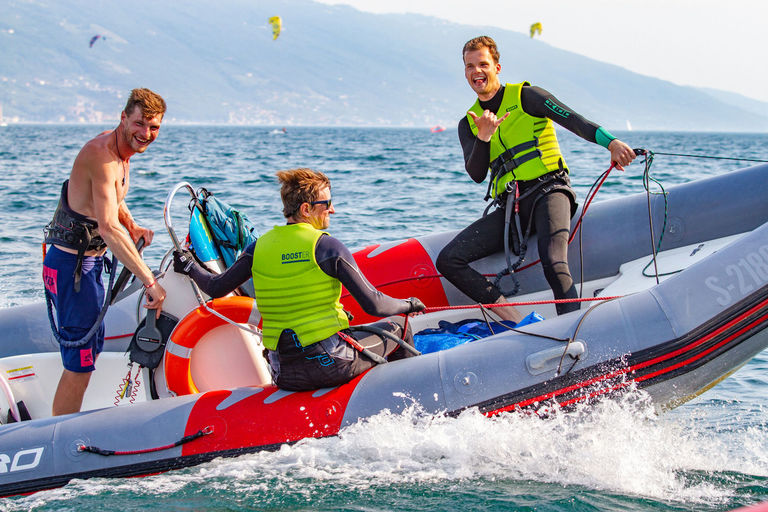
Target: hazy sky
(720,44)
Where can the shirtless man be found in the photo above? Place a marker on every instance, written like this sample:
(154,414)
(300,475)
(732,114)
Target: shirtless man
(92,217)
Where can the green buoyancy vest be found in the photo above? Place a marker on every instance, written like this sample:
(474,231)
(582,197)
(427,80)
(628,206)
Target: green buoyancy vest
(292,291)
(523,147)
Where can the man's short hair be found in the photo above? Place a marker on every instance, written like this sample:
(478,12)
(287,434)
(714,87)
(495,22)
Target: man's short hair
(150,103)
(478,43)
(299,186)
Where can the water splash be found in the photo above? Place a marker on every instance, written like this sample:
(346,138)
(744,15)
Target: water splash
(613,447)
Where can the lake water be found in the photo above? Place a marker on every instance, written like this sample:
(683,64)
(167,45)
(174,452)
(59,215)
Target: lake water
(710,454)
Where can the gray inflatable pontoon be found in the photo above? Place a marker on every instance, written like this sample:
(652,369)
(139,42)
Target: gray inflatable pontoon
(706,318)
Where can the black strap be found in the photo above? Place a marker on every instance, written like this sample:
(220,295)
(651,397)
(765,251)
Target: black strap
(383,333)
(507,161)
(519,246)
(96,325)
(357,346)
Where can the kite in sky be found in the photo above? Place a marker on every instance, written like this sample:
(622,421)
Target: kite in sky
(277,25)
(94,39)
(536,27)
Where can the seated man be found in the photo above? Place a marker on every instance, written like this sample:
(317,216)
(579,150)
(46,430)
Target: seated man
(298,271)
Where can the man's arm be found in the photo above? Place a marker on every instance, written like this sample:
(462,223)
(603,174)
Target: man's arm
(134,230)
(216,285)
(106,210)
(477,153)
(334,259)
(539,102)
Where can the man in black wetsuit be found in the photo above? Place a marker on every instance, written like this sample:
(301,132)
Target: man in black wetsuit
(509,130)
(298,271)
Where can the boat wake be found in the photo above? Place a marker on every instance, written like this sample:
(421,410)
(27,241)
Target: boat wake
(620,446)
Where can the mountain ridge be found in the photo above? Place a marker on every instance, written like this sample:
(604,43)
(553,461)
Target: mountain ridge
(331,66)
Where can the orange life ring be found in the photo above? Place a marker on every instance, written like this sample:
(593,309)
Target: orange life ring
(190,330)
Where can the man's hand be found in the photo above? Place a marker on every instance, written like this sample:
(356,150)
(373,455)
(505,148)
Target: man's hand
(183,261)
(621,154)
(487,124)
(416,306)
(155,296)
(139,232)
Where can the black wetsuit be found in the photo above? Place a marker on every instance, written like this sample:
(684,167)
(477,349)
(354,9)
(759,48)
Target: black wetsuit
(550,212)
(332,361)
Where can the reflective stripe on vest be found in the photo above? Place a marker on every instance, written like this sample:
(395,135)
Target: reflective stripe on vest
(516,144)
(292,291)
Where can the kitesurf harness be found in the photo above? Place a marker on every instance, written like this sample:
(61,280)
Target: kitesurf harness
(515,241)
(73,230)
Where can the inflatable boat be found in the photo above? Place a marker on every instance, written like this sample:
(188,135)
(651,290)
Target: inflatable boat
(675,299)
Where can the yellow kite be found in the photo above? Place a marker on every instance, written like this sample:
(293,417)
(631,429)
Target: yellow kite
(277,25)
(536,27)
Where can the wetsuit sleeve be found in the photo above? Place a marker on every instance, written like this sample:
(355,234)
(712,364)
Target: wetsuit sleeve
(477,153)
(335,260)
(218,285)
(539,102)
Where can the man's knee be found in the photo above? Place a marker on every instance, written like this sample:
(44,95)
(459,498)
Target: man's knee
(447,261)
(76,380)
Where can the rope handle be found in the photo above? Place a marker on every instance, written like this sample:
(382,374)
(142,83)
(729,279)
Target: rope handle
(186,439)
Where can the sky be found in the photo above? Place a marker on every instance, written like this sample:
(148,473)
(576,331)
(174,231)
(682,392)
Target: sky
(704,43)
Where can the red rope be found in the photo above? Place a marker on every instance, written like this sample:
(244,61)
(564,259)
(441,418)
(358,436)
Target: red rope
(529,265)
(99,451)
(526,303)
(589,201)
(578,222)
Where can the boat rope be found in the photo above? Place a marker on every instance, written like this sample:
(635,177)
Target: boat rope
(186,439)
(590,196)
(485,309)
(713,157)
(655,246)
(432,309)
(573,337)
(376,358)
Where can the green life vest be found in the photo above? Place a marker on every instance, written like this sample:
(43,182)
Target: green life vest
(292,291)
(523,147)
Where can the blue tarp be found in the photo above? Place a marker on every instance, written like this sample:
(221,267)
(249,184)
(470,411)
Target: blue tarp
(448,335)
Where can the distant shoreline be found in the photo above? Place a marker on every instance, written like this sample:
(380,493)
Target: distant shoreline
(426,128)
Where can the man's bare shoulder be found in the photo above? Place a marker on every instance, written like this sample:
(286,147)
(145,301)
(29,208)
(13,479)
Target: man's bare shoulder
(96,155)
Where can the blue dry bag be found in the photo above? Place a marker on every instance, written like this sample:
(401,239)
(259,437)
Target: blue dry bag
(448,335)
(231,230)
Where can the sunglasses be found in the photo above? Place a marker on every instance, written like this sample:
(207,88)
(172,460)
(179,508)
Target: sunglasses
(327,202)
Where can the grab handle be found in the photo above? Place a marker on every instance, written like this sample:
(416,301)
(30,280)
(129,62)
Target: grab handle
(172,233)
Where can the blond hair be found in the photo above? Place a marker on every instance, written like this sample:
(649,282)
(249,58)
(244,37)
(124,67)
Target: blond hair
(300,186)
(150,103)
(480,42)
